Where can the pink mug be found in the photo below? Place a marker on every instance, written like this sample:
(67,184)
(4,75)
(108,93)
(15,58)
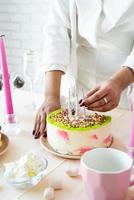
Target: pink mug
(106,173)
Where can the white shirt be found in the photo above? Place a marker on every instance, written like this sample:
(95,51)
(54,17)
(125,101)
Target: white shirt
(104,34)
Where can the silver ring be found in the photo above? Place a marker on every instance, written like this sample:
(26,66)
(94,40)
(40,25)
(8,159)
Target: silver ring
(105,100)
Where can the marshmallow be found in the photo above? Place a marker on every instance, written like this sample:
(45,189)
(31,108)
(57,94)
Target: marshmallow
(72,171)
(48,193)
(56,184)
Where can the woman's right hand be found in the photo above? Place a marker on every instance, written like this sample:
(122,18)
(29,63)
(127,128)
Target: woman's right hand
(49,105)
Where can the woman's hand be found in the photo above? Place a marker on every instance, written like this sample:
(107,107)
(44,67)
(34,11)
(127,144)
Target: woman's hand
(49,105)
(107,96)
(103,98)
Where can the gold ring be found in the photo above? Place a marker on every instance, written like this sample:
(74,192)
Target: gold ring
(105,100)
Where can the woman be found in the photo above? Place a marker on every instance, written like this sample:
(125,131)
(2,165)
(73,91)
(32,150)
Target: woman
(93,41)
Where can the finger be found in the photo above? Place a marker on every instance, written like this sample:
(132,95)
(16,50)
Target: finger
(91,92)
(36,120)
(95,97)
(37,135)
(37,130)
(33,133)
(43,124)
(45,133)
(107,107)
(35,125)
(99,103)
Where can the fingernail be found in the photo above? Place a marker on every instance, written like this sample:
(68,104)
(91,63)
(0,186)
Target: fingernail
(33,132)
(45,135)
(37,135)
(82,104)
(80,101)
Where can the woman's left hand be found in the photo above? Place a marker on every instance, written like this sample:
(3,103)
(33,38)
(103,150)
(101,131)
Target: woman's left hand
(103,98)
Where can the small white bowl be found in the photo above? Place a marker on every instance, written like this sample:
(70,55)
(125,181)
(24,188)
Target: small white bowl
(29,182)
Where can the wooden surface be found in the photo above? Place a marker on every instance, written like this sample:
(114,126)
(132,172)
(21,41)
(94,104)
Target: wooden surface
(24,142)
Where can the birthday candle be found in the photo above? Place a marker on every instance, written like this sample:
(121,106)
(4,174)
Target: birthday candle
(76,106)
(76,101)
(84,109)
(5,77)
(69,109)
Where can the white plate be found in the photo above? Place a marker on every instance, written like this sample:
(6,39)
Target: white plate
(48,148)
(5,143)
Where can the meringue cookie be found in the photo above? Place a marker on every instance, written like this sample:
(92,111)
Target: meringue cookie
(56,184)
(48,193)
(72,171)
(25,168)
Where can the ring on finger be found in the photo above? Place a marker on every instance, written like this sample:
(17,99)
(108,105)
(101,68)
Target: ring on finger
(105,100)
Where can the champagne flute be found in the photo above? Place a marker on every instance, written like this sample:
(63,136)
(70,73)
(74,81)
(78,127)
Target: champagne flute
(31,72)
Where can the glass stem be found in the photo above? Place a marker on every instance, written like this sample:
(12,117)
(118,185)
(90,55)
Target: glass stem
(32,88)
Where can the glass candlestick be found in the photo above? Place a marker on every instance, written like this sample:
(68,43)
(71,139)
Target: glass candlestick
(10,124)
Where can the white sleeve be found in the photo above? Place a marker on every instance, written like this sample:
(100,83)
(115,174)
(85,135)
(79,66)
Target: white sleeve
(56,54)
(130,60)
(52,67)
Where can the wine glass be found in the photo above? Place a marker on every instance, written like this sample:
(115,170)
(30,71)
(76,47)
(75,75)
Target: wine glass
(31,72)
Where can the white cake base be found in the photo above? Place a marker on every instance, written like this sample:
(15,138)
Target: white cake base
(73,142)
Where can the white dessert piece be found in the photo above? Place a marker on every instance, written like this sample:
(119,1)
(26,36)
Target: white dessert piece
(48,193)
(25,168)
(75,137)
(56,184)
(72,171)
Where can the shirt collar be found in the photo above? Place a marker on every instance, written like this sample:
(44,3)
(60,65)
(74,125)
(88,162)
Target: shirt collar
(89,12)
(114,11)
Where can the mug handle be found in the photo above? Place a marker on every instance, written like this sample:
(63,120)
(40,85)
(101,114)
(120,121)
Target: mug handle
(132,176)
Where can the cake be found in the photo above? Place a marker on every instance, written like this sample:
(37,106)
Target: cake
(0,139)
(74,136)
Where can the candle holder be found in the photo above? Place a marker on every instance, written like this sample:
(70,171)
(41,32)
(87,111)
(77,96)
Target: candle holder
(10,124)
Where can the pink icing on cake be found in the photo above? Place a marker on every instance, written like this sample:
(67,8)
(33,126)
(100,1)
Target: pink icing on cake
(107,139)
(94,137)
(63,134)
(84,149)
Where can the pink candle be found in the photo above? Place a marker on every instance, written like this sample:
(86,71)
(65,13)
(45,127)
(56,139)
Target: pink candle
(5,77)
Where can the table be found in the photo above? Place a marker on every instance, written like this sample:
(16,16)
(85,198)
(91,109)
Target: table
(21,144)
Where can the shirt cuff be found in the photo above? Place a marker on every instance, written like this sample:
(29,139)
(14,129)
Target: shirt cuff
(129,62)
(52,67)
